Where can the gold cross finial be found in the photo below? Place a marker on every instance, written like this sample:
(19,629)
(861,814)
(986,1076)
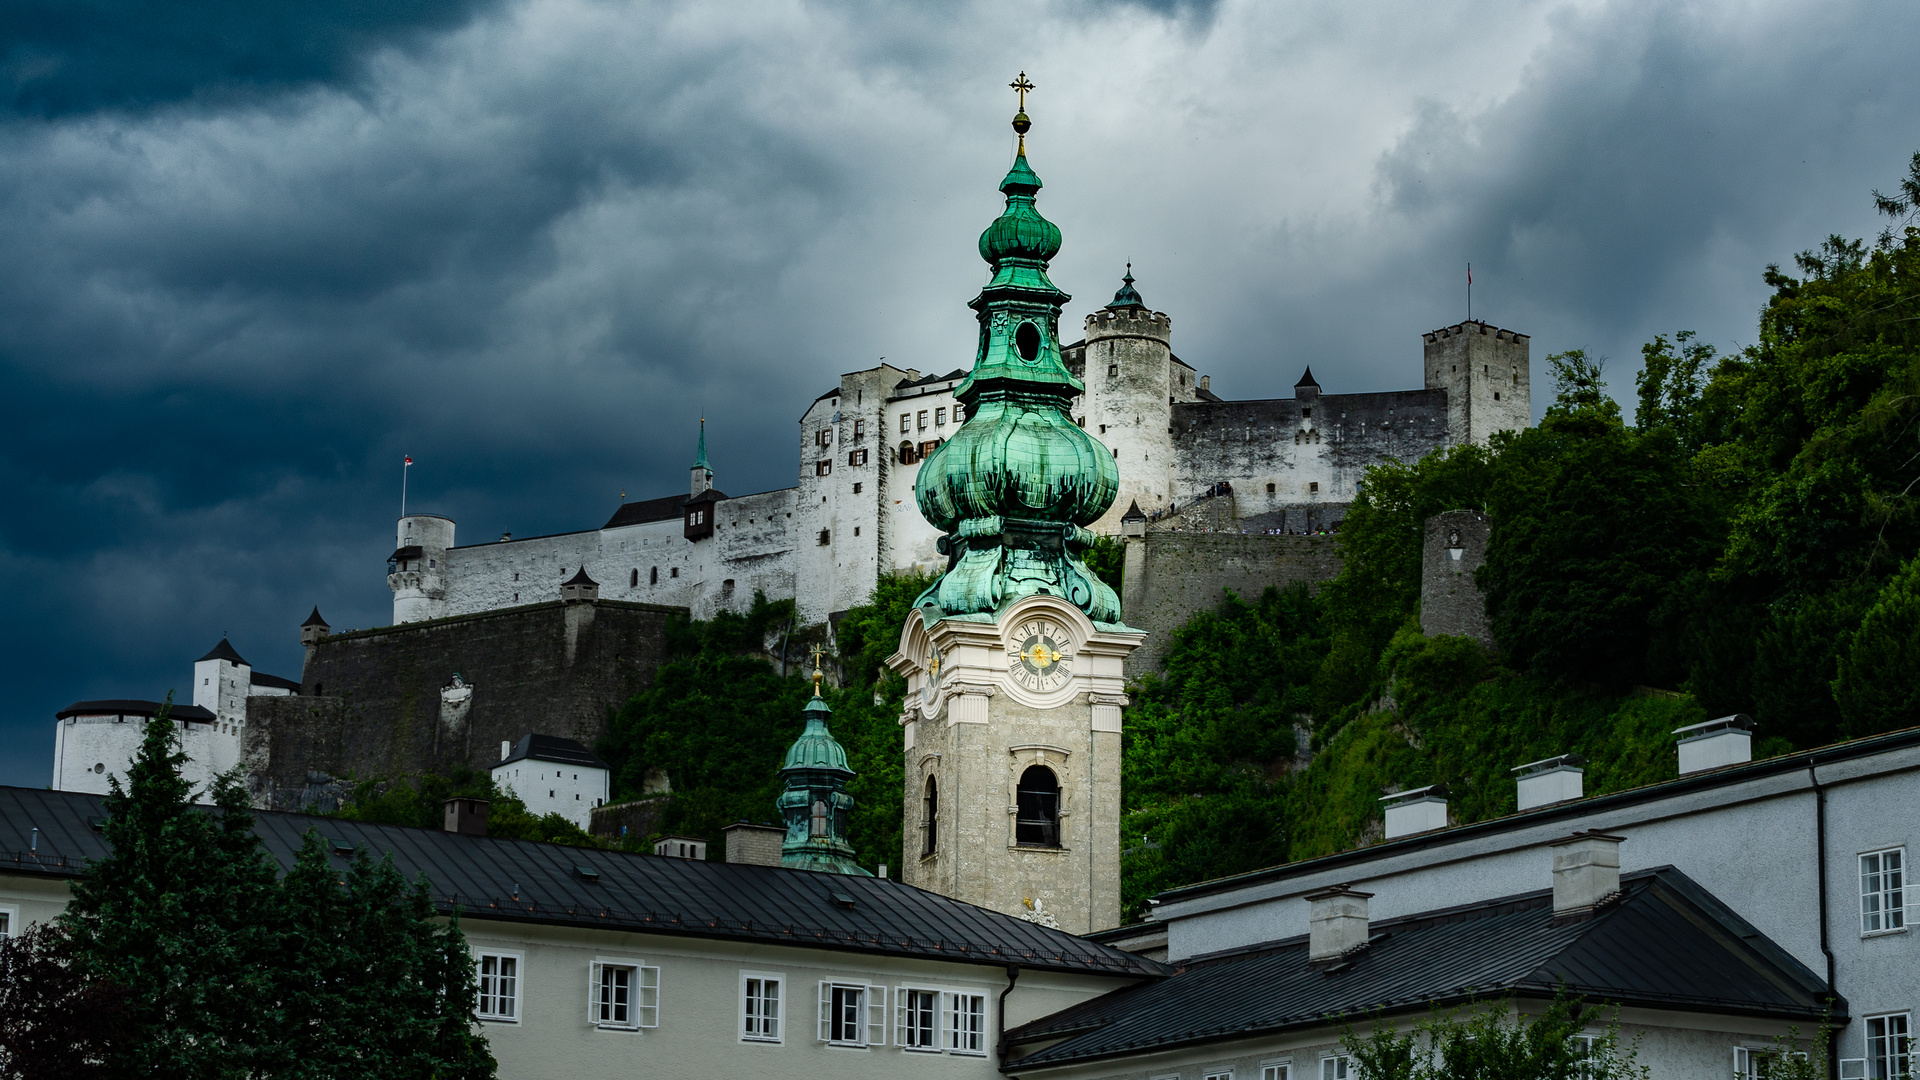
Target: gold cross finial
(817,676)
(1021,86)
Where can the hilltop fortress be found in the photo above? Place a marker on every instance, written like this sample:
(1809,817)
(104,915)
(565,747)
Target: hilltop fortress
(1279,466)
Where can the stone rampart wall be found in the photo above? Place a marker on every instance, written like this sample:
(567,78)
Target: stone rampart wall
(1171,576)
(1450,601)
(382,702)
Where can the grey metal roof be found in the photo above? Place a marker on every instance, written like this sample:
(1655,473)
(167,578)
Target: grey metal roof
(261,678)
(526,881)
(1572,809)
(134,707)
(551,748)
(1666,943)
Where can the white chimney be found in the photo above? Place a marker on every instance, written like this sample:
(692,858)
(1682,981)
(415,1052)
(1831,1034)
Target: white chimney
(1416,811)
(506,749)
(1586,870)
(1726,741)
(1336,922)
(1551,780)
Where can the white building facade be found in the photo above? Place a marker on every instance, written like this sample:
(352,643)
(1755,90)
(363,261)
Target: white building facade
(552,775)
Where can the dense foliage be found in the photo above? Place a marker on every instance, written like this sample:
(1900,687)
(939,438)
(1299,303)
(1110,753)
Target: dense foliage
(420,801)
(719,718)
(1495,1042)
(230,970)
(56,1023)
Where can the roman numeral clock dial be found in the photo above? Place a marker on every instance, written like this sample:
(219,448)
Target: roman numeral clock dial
(1037,658)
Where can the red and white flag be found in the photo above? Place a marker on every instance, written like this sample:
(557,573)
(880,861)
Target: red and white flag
(409,460)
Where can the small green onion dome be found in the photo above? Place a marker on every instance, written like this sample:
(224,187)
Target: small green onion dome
(816,748)
(1020,232)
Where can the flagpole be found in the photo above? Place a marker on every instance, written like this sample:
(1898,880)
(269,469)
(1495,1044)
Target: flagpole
(1469,292)
(404,466)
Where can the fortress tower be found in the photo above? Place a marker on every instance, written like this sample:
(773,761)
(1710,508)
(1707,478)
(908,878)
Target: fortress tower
(1014,657)
(1128,370)
(416,571)
(1485,372)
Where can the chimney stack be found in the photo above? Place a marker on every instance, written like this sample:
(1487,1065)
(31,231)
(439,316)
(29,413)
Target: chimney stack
(506,749)
(1586,871)
(1420,810)
(1726,741)
(468,817)
(1336,923)
(755,845)
(1551,780)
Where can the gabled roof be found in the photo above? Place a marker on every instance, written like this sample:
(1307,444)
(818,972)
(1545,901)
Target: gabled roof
(645,510)
(526,881)
(552,748)
(261,678)
(222,651)
(1666,943)
(134,707)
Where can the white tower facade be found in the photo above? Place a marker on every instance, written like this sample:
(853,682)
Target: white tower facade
(416,571)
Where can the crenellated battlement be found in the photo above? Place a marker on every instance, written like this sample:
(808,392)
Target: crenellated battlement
(1474,326)
(1129,322)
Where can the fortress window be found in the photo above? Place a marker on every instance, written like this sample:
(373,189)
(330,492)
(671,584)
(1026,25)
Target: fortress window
(822,468)
(1026,341)
(1113,370)
(673,572)
(1313,488)
(906,453)
(826,537)
(906,420)
(959,414)
(1269,489)
(1496,395)
(856,530)
(858,457)
(1081,420)
(856,489)
(922,417)
(653,576)
(939,418)
(1037,800)
(634,581)
(859,429)
(1306,411)
(930,819)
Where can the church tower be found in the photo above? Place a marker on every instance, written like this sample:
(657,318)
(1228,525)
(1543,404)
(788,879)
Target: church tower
(1013,657)
(813,801)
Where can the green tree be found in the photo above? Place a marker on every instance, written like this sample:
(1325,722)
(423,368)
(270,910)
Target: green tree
(1877,684)
(56,1023)
(184,914)
(1494,1042)
(1671,382)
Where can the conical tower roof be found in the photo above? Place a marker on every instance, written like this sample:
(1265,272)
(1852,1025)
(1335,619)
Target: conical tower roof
(1127,296)
(700,454)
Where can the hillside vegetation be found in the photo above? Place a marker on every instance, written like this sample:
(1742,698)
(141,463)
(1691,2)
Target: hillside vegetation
(1746,544)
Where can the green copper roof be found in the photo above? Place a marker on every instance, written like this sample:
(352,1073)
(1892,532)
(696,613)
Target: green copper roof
(814,801)
(700,455)
(1017,484)
(816,748)
(1127,296)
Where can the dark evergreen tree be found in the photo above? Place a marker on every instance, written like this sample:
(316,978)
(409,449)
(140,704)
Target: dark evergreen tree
(56,1023)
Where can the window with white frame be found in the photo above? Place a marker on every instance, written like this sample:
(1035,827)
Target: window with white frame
(623,994)
(853,1014)
(1337,1067)
(1276,1070)
(916,1019)
(9,921)
(966,1023)
(1757,1062)
(1889,1047)
(1219,1074)
(1883,891)
(1582,1047)
(906,423)
(499,997)
(760,1006)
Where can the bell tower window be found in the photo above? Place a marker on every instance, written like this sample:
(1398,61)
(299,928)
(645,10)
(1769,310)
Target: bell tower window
(930,818)
(1026,341)
(1037,819)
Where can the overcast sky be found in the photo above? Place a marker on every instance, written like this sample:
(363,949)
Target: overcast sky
(253,257)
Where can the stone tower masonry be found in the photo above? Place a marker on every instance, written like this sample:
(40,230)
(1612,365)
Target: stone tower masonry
(1485,372)
(416,571)
(1129,377)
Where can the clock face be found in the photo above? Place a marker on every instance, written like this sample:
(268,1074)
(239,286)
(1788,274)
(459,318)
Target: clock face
(1036,656)
(930,682)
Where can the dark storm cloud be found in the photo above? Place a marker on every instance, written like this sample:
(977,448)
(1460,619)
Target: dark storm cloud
(61,57)
(531,244)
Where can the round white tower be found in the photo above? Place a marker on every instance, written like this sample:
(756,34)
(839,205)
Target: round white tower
(1129,397)
(416,571)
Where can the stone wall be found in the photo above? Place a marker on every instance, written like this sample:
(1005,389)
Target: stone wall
(385,702)
(1171,576)
(1450,601)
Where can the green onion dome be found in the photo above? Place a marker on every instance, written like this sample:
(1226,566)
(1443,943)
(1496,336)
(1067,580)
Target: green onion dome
(1020,232)
(816,748)
(1017,456)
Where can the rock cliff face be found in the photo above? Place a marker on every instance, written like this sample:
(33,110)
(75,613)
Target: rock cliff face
(448,692)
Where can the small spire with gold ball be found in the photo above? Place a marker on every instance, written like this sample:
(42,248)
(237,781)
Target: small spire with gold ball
(1020,122)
